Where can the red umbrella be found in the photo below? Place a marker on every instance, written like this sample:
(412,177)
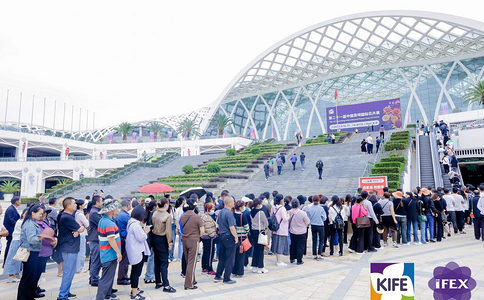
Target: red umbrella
(155,188)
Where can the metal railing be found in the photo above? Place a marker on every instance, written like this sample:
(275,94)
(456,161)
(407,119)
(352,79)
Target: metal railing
(114,176)
(417,149)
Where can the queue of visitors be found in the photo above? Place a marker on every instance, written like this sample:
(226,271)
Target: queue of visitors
(237,234)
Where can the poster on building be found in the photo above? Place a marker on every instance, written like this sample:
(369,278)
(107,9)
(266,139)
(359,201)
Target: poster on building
(363,116)
(373,183)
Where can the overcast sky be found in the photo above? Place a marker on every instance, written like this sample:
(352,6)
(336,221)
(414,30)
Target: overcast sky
(135,60)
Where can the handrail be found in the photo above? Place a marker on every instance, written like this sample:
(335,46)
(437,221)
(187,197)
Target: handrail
(439,181)
(417,149)
(113,176)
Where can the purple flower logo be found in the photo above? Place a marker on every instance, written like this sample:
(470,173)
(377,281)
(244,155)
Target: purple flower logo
(452,282)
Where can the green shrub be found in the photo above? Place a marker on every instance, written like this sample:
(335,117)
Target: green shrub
(187,169)
(230,152)
(213,167)
(393,185)
(309,141)
(389,146)
(393,158)
(255,150)
(390,176)
(412,126)
(390,164)
(385,170)
(321,136)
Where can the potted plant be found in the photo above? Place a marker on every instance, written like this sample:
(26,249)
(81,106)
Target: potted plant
(8,188)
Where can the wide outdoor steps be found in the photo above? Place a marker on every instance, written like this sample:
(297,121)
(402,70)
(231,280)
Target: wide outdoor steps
(343,163)
(132,182)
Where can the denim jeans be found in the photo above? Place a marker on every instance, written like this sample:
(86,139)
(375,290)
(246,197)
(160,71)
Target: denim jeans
(171,252)
(150,267)
(180,248)
(430,226)
(423,231)
(70,261)
(401,229)
(303,162)
(81,256)
(415,231)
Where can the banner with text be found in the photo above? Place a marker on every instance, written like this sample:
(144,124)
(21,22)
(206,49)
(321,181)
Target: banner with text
(363,115)
(374,183)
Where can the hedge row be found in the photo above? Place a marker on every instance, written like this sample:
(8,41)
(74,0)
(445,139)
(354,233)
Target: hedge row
(393,158)
(390,176)
(397,164)
(389,146)
(385,170)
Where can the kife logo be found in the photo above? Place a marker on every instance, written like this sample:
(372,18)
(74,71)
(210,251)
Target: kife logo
(392,281)
(452,282)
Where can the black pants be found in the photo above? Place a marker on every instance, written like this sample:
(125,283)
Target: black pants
(226,258)
(446,168)
(7,247)
(294,166)
(124,263)
(160,247)
(345,233)
(333,231)
(359,234)
(317,231)
(353,239)
(297,247)
(369,147)
(376,238)
(369,236)
(239,261)
(136,273)
(438,227)
(479,228)
(258,254)
(207,255)
(320,172)
(459,216)
(28,283)
(382,135)
(42,262)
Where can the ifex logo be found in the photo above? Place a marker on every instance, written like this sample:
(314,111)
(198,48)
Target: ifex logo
(394,280)
(452,282)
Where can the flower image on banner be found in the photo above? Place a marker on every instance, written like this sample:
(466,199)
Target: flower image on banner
(362,116)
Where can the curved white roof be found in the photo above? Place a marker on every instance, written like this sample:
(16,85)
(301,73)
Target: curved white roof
(356,43)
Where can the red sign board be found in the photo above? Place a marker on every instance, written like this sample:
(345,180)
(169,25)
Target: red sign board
(373,183)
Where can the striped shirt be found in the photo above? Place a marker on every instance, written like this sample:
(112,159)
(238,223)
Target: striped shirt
(107,228)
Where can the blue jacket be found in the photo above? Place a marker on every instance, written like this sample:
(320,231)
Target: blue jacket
(11,217)
(29,236)
(122,222)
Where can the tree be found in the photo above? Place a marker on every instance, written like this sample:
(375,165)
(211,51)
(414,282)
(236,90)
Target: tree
(222,121)
(9,187)
(475,93)
(156,127)
(124,128)
(188,127)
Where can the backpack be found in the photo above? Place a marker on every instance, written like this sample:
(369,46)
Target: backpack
(338,220)
(273,224)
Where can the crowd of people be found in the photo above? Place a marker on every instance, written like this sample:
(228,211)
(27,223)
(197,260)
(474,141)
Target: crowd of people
(125,237)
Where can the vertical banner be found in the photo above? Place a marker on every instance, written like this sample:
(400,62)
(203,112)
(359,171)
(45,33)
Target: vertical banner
(252,133)
(152,137)
(363,116)
(111,137)
(135,135)
(444,108)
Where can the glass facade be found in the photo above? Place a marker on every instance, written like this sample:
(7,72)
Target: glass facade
(425,92)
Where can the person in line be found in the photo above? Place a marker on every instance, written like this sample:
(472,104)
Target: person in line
(31,240)
(476,211)
(193,229)
(298,223)
(150,208)
(382,132)
(400,205)
(293,161)
(82,221)
(137,248)
(459,209)
(389,221)
(280,243)
(369,144)
(373,222)
(359,210)
(11,217)
(122,221)
(162,241)
(242,227)
(92,237)
(346,214)
(258,227)
(412,218)
(319,167)
(317,216)
(109,246)
(430,213)
(12,267)
(228,240)
(69,242)
(46,250)
(439,205)
(210,234)
(335,211)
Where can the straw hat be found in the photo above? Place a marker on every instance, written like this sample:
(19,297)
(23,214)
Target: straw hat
(398,194)
(425,191)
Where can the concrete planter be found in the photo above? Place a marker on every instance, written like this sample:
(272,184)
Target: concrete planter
(7,197)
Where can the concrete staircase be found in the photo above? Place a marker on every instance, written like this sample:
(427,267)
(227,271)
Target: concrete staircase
(132,182)
(343,163)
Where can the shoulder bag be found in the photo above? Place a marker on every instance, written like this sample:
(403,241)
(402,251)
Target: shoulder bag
(262,240)
(22,254)
(363,221)
(244,244)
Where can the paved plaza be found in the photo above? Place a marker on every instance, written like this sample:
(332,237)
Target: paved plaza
(345,277)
